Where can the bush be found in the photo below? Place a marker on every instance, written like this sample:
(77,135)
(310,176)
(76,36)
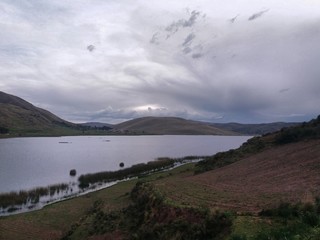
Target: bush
(150,217)
(291,211)
(4,130)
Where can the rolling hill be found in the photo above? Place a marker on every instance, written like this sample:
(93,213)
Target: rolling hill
(170,126)
(21,117)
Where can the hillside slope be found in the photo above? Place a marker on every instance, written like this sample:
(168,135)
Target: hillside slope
(170,126)
(288,173)
(254,129)
(20,116)
(262,173)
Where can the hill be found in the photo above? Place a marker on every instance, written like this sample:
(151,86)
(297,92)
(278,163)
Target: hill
(170,126)
(18,116)
(173,125)
(286,173)
(254,129)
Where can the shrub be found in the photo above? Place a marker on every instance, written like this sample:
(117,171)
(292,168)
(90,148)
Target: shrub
(238,237)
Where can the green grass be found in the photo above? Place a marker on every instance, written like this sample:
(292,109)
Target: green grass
(56,220)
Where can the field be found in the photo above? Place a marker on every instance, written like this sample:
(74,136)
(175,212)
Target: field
(288,173)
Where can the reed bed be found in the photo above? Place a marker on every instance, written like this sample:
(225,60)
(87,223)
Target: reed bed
(32,196)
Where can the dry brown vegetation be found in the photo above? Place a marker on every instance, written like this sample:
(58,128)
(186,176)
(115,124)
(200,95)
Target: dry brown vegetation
(287,173)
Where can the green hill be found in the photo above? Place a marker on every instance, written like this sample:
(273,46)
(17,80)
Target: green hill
(170,126)
(19,117)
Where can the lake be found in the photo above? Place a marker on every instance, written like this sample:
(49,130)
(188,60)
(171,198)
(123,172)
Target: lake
(31,162)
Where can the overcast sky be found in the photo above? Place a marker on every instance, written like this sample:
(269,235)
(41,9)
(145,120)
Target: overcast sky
(112,60)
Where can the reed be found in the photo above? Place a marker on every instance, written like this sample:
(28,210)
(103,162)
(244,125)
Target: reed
(133,171)
(33,196)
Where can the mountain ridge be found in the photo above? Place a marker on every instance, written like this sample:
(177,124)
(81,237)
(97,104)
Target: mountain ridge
(20,117)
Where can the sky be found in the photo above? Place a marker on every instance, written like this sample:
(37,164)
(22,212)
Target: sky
(247,61)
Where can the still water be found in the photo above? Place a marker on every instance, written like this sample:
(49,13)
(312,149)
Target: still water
(26,163)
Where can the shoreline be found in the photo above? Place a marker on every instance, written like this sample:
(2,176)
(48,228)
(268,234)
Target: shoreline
(24,208)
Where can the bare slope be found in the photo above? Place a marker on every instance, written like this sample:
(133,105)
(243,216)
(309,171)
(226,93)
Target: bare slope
(288,173)
(170,125)
(19,115)
(262,173)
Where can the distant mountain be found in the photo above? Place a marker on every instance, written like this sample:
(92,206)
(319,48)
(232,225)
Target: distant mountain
(170,126)
(173,125)
(18,116)
(253,129)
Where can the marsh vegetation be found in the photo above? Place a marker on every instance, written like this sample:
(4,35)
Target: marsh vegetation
(15,199)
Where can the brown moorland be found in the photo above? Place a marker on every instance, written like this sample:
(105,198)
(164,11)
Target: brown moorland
(286,173)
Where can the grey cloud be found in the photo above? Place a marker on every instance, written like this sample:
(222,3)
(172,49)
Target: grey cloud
(284,90)
(197,52)
(197,55)
(186,50)
(174,27)
(154,39)
(257,15)
(192,20)
(232,20)
(91,48)
(188,40)
(183,23)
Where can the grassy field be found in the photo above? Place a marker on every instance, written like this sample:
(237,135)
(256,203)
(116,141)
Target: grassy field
(54,221)
(74,218)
